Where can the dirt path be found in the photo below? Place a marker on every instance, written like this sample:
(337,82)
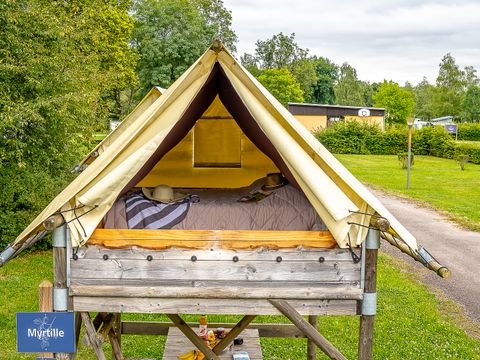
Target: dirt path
(453,247)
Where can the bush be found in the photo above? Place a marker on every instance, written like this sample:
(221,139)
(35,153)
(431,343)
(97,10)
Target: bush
(472,150)
(434,141)
(469,131)
(403,159)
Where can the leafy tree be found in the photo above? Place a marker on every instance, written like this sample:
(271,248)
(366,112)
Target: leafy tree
(57,77)
(323,89)
(281,84)
(348,89)
(281,51)
(171,35)
(424,93)
(470,77)
(471,104)
(398,102)
(449,92)
(369,91)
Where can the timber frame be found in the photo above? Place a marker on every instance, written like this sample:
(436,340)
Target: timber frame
(252,280)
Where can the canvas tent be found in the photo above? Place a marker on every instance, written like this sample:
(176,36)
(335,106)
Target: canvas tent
(216,82)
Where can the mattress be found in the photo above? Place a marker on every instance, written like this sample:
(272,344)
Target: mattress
(285,208)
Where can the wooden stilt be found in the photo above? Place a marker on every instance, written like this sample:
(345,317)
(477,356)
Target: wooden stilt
(190,334)
(232,334)
(92,336)
(289,311)
(115,336)
(60,291)
(365,341)
(311,347)
(45,303)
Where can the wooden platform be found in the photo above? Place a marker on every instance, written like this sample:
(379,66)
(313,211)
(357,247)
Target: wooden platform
(178,344)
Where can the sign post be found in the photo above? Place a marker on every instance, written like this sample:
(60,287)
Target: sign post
(46,332)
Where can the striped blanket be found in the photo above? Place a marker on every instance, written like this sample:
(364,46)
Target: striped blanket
(143,213)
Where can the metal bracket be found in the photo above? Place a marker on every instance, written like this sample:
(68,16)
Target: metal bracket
(60,236)
(60,299)
(425,255)
(369,304)
(6,254)
(372,241)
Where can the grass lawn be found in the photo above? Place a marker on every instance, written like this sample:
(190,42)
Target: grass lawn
(438,182)
(412,323)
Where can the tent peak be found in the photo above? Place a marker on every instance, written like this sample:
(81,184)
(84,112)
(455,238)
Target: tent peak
(217,45)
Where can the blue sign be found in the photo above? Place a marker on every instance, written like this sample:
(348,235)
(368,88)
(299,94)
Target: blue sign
(451,128)
(46,332)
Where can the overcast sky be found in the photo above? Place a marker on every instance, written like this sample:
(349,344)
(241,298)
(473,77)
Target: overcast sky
(383,39)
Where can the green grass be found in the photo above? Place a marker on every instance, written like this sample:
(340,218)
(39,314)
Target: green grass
(412,323)
(438,182)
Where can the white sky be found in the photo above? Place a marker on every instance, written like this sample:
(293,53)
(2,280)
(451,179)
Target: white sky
(396,40)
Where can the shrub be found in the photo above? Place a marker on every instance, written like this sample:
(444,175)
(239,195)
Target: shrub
(349,138)
(433,141)
(472,150)
(469,131)
(463,160)
(403,159)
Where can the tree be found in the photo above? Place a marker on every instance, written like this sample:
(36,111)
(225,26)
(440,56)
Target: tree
(424,93)
(281,51)
(471,104)
(470,77)
(348,89)
(398,102)
(171,35)
(281,84)
(323,89)
(57,77)
(448,96)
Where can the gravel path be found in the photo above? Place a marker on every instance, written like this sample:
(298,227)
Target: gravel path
(452,246)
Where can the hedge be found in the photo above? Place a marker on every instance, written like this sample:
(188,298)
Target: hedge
(356,138)
(469,131)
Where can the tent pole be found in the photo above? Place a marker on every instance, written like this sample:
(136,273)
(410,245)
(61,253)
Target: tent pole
(369,302)
(60,290)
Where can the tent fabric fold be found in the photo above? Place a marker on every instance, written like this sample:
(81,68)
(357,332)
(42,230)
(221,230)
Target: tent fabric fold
(162,120)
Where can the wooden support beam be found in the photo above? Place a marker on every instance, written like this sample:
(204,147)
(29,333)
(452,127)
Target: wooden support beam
(115,336)
(108,322)
(45,303)
(365,341)
(190,334)
(53,222)
(78,328)
(161,328)
(289,311)
(92,336)
(232,334)
(311,347)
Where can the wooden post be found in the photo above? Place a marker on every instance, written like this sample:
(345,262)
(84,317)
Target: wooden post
(115,337)
(311,347)
(91,333)
(369,303)
(289,311)
(45,303)
(193,337)
(60,291)
(232,334)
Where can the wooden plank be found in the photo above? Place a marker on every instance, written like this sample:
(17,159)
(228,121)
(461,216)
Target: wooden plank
(92,336)
(211,283)
(261,254)
(212,270)
(312,333)
(210,306)
(311,347)
(365,341)
(161,328)
(228,239)
(45,303)
(193,337)
(219,292)
(232,334)
(177,344)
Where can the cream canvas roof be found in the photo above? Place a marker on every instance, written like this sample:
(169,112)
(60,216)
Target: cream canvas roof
(338,197)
